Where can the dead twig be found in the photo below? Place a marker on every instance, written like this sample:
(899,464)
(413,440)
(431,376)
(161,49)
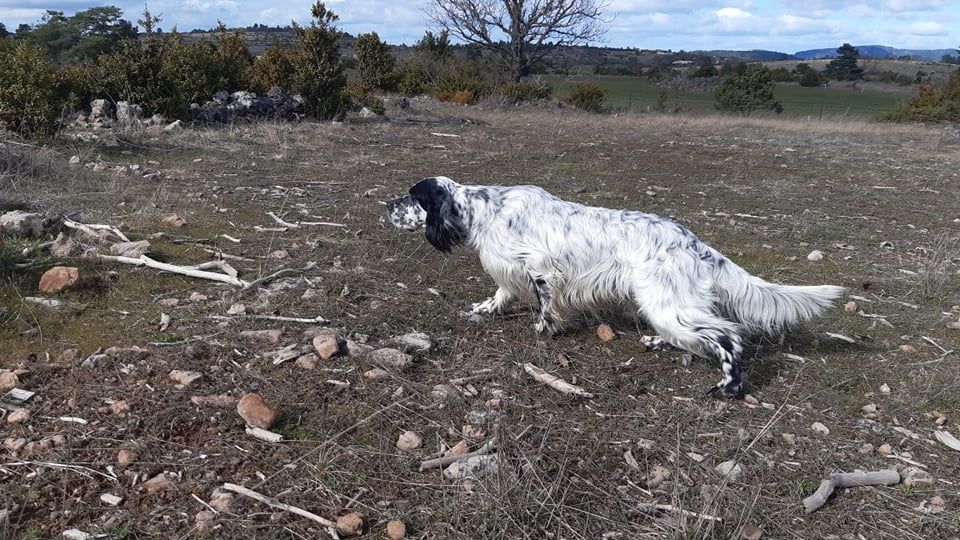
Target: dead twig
(837,480)
(555,382)
(278,274)
(190,271)
(90,229)
(671,508)
(447,460)
(273,503)
(299,224)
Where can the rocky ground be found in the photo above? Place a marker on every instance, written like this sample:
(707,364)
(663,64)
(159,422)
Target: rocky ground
(145,403)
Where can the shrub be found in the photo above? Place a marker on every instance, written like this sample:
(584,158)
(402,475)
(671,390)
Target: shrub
(704,71)
(411,81)
(931,104)
(457,76)
(525,91)
(464,97)
(748,92)
(588,96)
(272,68)
(32,91)
(363,96)
(781,74)
(318,74)
(233,60)
(374,63)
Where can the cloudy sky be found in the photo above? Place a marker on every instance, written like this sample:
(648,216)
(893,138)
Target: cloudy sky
(783,25)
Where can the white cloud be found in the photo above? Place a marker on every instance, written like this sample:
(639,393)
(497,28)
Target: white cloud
(927,29)
(913,5)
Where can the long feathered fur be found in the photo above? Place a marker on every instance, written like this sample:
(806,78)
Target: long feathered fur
(568,259)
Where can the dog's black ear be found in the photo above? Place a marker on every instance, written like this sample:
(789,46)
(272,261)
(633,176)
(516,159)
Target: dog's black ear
(445,228)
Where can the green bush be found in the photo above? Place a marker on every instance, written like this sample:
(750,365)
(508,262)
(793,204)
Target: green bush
(704,71)
(233,60)
(318,74)
(272,68)
(32,91)
(931,104)
(363,95)
(588,96)
(411,81)
(374,63)
(454,76)
(745,93)
(525,91)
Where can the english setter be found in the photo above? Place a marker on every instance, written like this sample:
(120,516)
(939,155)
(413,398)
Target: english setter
(569,259)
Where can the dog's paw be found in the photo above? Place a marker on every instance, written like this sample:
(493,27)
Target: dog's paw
(483,308)
(546,327)
(656,343)
(729,390)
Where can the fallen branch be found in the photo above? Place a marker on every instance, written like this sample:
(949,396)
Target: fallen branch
(280,273)
(555,382)
(143,260)
(299,224)
(90,229)
(273,503)
(671,508)
(848,480)
(439,462)
(264,435)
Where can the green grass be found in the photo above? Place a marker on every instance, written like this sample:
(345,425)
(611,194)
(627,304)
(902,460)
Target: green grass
(637,94)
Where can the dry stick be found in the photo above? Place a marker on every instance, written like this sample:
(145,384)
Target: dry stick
(671,508)
(279,273)
(270,501)
(847,480)
(183,270)
(299,224)
(446,460)
(92,228)
(555,382)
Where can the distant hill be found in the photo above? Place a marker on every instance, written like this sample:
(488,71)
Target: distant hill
(756,55)
(879,51)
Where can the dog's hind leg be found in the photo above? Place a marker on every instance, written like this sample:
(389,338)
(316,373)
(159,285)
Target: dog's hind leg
(550,322)
(502,301)
(684,318)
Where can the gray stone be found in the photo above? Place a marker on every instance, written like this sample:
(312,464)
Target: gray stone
(20,223)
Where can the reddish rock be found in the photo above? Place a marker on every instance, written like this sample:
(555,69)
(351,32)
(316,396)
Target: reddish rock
(255,411)
(326,345)
(605,333)
(59,278)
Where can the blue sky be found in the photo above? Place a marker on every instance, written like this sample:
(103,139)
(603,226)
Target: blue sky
(669,24)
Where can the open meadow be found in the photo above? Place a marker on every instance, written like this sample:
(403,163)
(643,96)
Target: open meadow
(153,421)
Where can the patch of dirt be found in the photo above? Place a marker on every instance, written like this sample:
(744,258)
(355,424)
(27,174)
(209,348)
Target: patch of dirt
(765,193)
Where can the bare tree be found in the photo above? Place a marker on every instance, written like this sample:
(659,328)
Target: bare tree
(518,32)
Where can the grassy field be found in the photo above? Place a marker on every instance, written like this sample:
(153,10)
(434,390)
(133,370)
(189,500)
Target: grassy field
(637,94)
(637,460)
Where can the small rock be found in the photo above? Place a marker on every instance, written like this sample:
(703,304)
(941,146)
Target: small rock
(409,440)
(915,476)
(75,534)
(14,444)
(473,467)
(350,524)
(59,278)
(222,401)
(126,457)
(470,431)
(818,427)
(658,475)
(237,309)
(869,410)
(867,448)
(307,361)
(414,342)
(750,400)
(174,127)
(185,378)
(815,255)
(458,449)
(204,520)
(605,333)
(255,411)
(326,345)
(279,254)
(8,381)
(197,297)
(885,450)
(884,388)
(174,221)
(907,348)
(63,246)
(376,374)
(18,416)
(118,408)
(789,438)
(110,499)
(391,358)
(730,469)
(850,307)
(955,325)
(222,501)
(133,250)
(157,484)
(396,530)
(369,115)
(357,349)
(933,505)
(751,532)
(19,223)
(169,302)
(74,160)
(265,336)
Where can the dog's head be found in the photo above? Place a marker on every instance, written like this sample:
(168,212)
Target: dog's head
(431,204)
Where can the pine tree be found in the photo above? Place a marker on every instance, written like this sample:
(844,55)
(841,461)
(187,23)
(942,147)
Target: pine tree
(844,67)
(745,93)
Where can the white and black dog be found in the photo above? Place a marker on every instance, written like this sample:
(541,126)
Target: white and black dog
(570,259)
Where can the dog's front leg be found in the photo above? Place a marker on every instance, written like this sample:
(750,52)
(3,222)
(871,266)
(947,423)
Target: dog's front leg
(500,302)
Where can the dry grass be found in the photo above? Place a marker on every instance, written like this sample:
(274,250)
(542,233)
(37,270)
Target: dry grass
(564,474)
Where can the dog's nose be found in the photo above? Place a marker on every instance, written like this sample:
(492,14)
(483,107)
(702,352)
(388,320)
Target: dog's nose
(393,203)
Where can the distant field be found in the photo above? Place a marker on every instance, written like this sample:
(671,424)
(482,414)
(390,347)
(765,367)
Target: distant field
(637,94)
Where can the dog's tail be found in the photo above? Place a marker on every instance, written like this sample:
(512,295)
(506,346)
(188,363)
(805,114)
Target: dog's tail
(767,307)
